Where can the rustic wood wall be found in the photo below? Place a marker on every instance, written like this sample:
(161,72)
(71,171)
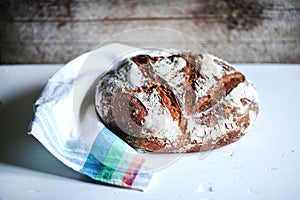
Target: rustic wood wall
(55,31)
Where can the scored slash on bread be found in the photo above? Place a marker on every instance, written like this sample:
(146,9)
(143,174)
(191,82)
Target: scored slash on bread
(176,102)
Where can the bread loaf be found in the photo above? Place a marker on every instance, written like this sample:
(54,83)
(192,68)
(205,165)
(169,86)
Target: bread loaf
(170,101)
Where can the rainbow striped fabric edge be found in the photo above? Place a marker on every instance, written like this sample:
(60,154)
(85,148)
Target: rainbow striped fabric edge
(116,163)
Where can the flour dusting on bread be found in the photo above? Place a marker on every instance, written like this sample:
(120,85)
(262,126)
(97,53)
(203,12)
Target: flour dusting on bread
(176,101)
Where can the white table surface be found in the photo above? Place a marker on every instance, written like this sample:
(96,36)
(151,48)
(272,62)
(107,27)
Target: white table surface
(264,164)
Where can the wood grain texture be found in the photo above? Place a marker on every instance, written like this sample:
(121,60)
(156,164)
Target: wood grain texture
(55,31)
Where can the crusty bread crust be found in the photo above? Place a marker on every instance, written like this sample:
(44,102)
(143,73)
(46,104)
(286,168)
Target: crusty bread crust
(176,102)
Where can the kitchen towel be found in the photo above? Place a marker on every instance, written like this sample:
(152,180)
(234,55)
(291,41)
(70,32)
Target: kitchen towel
(66,123)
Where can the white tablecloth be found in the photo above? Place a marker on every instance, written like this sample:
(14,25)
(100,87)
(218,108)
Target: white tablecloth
(264,164)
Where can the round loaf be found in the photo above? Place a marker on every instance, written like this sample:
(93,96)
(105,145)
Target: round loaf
(167,101)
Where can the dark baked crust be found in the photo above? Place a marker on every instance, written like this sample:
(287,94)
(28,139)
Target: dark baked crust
(209,109)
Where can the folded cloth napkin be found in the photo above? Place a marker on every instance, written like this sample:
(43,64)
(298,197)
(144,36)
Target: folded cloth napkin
(66,123)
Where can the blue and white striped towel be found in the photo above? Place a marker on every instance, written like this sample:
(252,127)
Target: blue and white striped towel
(66,124)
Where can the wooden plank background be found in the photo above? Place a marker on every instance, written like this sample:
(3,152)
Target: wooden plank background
(55,31)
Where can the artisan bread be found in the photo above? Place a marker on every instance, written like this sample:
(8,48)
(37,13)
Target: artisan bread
(171,101)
